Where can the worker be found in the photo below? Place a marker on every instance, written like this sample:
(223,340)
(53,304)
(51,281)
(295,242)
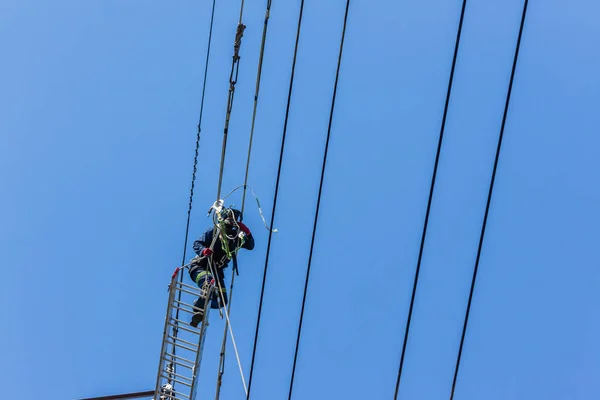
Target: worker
(237,236)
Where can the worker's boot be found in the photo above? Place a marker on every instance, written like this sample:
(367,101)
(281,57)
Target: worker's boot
(198,312)
(197,317)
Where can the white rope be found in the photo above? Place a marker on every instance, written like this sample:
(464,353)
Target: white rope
(237,356)
(219,203)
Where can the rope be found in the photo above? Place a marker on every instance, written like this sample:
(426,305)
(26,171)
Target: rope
(258,77)
(312,243)
(189,213)
(287,112)
(429,201)
(213,272)
(257,203)
(489,199)
(224,343)
(235,69)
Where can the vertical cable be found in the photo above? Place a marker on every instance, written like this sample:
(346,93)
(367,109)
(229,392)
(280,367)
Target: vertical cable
(275,196)
(312,243)
(429,201)
(489,199)
(258,76)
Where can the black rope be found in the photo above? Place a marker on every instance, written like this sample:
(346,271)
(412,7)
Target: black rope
(283,136)
(258,77)
(235,69)
(312,243)
(429,201)
(189,213)
(489,199)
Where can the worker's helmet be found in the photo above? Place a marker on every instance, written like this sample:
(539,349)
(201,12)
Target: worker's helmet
(232,216)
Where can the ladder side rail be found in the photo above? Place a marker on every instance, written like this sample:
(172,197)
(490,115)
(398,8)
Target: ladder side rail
(196,372)
(165,334)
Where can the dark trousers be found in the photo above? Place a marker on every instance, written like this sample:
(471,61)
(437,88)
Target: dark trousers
(202,275)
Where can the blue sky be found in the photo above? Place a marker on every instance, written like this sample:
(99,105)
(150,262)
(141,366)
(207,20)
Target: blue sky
(99,107)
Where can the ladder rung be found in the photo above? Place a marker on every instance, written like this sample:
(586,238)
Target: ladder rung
(181,340)
(172,397)
(175,380)
(184,328)
(166,396)
(189,286)
(180,394)
(183,323)
(181,307)
(181,346)
(178,363)
(180,358)
(180,376)
(189,292)
(185,304)
(183,310)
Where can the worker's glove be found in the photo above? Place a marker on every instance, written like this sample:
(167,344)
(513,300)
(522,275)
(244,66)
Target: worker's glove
(244,228)
(206,252)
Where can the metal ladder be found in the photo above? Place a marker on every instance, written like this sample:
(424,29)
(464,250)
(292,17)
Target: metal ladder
(177,377)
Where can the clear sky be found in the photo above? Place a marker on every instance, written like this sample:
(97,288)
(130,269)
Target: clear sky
(99,105)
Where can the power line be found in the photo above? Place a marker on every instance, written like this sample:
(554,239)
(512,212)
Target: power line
(258,78)
(283,136)
(429,201)
(312,243)
(489,199)
(189,213)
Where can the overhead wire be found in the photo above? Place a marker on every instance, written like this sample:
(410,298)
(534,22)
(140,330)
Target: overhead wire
(429,201)
(258,77)
(199,130)
(489,199)
(312,243)
(275,197)
(221,370)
